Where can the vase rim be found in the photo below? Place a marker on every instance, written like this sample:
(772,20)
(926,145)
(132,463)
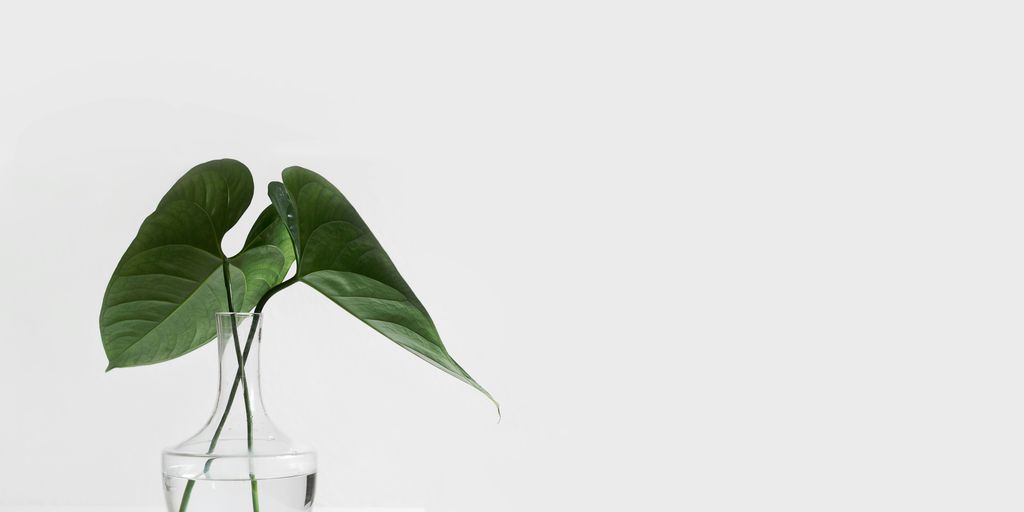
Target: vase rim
(237,313)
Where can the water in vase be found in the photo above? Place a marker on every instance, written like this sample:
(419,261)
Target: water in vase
(286,494)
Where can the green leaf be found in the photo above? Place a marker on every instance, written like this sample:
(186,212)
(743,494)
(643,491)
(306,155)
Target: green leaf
(222,188)
(160,301)
(340,258)
(282,201)
(265,258)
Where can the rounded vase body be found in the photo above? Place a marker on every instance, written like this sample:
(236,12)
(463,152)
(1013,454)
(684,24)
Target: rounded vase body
(239,462)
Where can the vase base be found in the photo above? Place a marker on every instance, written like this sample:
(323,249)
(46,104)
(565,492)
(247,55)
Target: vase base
(288,494)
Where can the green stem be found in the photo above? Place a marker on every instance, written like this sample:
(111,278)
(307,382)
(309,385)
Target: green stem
(255,493)
(188,493)
(239,376)
(245,386)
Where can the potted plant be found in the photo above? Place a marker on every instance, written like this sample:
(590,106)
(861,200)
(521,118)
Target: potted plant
(174,290)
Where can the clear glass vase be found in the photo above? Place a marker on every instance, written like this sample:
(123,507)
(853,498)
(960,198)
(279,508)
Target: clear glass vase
(233,464)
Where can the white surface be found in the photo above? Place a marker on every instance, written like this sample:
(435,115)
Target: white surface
(163,509)
(711,256)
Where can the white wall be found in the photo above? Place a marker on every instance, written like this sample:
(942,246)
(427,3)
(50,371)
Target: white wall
(709,255)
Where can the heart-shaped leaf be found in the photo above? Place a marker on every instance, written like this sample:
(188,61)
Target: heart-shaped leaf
(161,299)
(339,257)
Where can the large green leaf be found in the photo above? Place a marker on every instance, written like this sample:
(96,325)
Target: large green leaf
(161,299)
(340,258)
(265,258)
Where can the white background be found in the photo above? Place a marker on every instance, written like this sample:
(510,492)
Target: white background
(710,256)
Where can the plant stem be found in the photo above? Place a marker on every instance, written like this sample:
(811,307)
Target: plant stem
(255,494)
(185,497)
(239,376)
(245,387)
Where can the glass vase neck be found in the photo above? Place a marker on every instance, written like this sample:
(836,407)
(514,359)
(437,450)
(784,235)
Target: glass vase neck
(239,337)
